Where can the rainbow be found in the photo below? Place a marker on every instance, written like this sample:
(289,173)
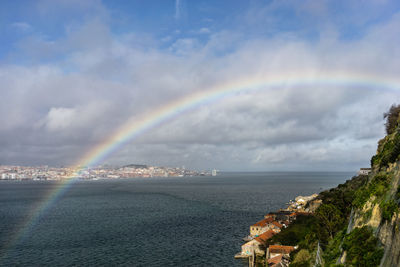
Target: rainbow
(139,125)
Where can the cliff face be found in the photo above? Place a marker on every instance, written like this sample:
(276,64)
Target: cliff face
(357,223)
(389,235)
(377,203)
(386,230)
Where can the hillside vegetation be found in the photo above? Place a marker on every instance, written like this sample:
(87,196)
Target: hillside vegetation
(358,222)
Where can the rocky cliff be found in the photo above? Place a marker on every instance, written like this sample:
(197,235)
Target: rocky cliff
(356,223)
(377,203)
(386,224)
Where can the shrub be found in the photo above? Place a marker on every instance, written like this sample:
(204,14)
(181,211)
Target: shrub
(333,251)
(377,187)
(302,258)
(302,229)
(329,220)
(388,152)
(362,248)
(388,208)
(343,195)
(397,196)
(392,117)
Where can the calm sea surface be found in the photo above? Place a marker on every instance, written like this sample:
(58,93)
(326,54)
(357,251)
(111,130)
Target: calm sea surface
(191,221)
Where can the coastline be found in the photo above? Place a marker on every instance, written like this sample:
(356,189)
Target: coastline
(257,245)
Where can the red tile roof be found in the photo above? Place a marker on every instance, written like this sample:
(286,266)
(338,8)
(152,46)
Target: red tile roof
(275,260)
(264,222)
(265,236)
(280,249)
(277,224)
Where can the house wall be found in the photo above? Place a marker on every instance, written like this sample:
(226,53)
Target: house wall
(248,248)
(257,230)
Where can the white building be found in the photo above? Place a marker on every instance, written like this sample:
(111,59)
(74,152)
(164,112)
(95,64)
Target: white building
(364,171)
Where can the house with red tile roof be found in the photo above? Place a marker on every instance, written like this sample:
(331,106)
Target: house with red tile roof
(279,261)
(253,246)
(275,260)
(265,236)
(276,226)
(260,227)
(276,250)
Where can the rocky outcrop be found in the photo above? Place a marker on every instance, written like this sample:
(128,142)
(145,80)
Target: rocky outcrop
(387,231)
(389,235)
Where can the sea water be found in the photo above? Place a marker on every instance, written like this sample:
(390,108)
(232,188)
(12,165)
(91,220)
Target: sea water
(185,221)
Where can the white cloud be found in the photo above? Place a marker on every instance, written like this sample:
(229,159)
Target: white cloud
(22,26)
(104,79)
(204,30)
(60,118)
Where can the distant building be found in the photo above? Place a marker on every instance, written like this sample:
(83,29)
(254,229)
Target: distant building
(364,171)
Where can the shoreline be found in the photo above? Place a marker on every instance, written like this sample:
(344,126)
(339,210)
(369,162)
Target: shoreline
(256,243)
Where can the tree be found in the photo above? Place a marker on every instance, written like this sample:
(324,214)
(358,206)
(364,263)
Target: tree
(302,258)
(330,218)
(392,117)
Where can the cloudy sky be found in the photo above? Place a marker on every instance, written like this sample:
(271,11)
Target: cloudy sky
(73,72)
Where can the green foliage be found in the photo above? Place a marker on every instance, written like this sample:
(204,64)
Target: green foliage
(332,250)
(367,215)
(343,195)
(361,247)
(392,118)
(389,147)
(302,258)
(377,187)
(397,196)
(301,232)
(388,152)
(388,208)
(330,220)
(306,230)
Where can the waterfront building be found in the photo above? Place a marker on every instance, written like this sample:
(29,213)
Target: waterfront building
(260,227)
(254,246)
(275,226)
(277,250)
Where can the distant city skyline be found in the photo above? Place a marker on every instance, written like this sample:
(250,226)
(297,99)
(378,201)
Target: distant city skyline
(39,173)
(314,79)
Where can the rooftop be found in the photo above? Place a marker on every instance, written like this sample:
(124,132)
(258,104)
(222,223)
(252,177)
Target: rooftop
(280,249)
(265,236)
(264,222)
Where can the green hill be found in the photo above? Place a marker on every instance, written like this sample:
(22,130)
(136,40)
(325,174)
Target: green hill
(357,223)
